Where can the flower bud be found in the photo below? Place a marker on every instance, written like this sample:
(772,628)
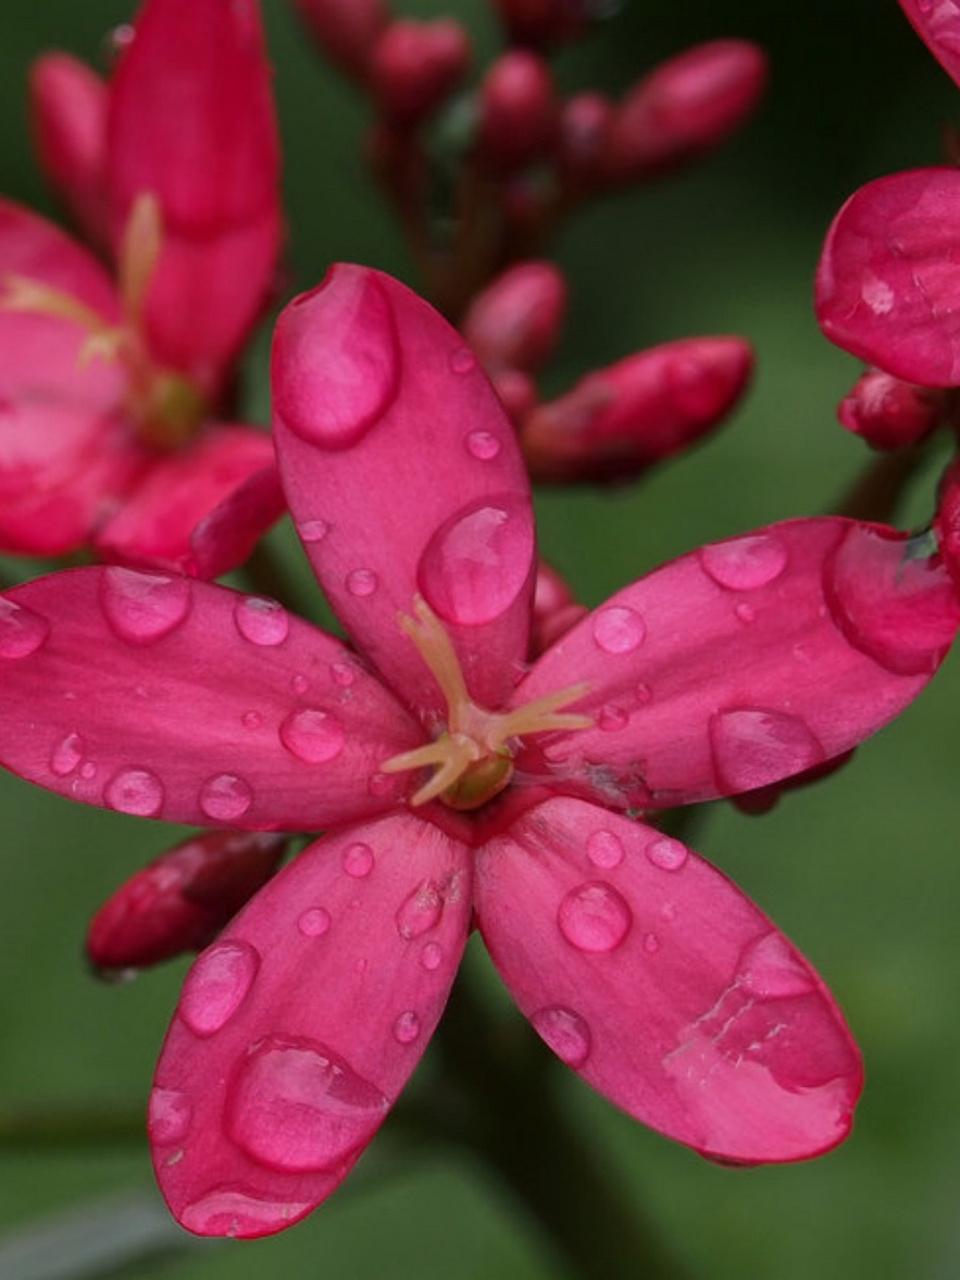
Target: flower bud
(555,609)
(181,901)
(583,132)
(416,65)
(888,412)
(685,108)
(542,22)
(517,392)
(516,320)
(517,112)
(618,421)
(346,30)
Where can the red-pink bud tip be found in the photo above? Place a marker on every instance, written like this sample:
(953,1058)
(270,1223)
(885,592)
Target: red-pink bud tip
(415,66)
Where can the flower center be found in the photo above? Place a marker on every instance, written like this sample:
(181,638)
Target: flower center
(166,406)
(472,756)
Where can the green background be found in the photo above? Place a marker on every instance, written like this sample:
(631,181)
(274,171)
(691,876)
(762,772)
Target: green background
(861,871)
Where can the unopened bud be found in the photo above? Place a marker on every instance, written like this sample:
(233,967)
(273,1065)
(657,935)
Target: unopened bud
(346,30)
(685,108)
(555,609)
(888,412)
(544,22)
(585,123)
(618,421)
(415,66)
(517,392)
(516,320)
(181,901)
(517,112)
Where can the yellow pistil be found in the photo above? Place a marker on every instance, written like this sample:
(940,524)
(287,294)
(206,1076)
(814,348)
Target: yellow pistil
(472,758)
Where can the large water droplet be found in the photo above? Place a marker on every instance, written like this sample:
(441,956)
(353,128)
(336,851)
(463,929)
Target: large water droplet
(745,564)
(420,911)
(478,561)
(169,1115)
(594,917)
(228,1211)
(22,631)
(67,755)
(225,797)
(566,1032)
(406,1028)
(358,860)
(362,583)
(142,608)
(605,850)
(217,985)
(483,445)
(667,854)
(297,1106)
(752,748)
(769,968)
(312,735)
(136,791)
(618,629)
(261,621)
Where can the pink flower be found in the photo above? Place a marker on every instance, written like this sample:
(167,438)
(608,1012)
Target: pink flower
(110,386)
(455,784)
(888,289)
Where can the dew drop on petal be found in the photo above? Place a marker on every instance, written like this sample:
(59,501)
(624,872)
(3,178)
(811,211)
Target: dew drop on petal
(566,1033)
(299,684)
(769,967)
(431,956)
(420,911)
(67,755)
(343,674)
(228,1211)
(88,770)
(358,860)
(594,917)
(313,531)
(225,797)
(752,747)
(745,612)
(380,785)
(406,1028)
(618,629)
(462,360)
(314,922)
(483,445)
(651,944)
(142,608)
(251,720)
(22,631)
(745,564)
(644,693)
(217,985)
(612,719)
(604,849)
(296,1106)
(312,735)
(261,621)
(136,791)
(362,583)
(169,1115)
(477,563)
(667,854)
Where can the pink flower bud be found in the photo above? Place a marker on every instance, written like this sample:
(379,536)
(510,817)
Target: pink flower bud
(517,111)
(541,22)
(555,609)
(416,65)
(685,108)
(516,320)
(584,128)
(345,30)
(618,421)
(182,900)
(888,412)
(517,392)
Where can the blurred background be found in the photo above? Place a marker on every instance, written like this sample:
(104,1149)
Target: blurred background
(861,871)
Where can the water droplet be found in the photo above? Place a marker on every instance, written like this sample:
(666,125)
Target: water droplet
(430,956)
(312,735)
(483,445)
(261,621)
(618,629)
(217,985)
(67,754)
(651,944)
(225,797)
(313,531)
(667,854)
(143,608)
(169,1115)
(406,1028)
(251,720)
(227,1211)
(136,791)
(769,967)
(362,965)
(88,770)
(612,719)
(298,1107)
(477,563)
(22,631)
(745,564)
(314,922)
(745,612)
(605,850)
(463,360)
(668,911)
(594,917)
(358,860)
(299,684)
(380,785)
(420,911)
(644,693)
(343,674)
(752,748)
(566,1033)
(362,583)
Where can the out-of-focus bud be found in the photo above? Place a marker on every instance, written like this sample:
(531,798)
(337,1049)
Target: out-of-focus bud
(543,22)
(517,112)
(416,65)
(947,522)
(515,322)
(68,105)
(517,392)
(585,123)
(684,109)
(888,412)
(181,901)
(763,799)
(618,421)
(346,30)
(555,609)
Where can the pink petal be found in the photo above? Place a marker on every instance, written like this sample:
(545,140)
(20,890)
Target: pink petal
(744,662)
(664,987)
(192,120)
(888,284)
(938,25)
(201,510)
(368,377)
(33,247)
(297,1030)
(170,698)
